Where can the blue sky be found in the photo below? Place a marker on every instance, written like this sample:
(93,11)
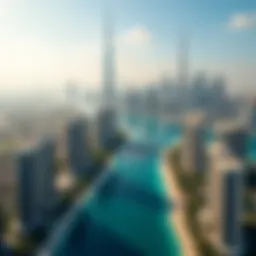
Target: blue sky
(46,43)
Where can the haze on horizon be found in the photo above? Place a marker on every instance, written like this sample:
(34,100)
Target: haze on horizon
(46,43)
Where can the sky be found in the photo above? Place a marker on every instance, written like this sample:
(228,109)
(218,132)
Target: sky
(45,43)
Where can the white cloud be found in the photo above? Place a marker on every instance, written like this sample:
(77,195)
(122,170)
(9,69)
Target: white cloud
(138,35)
(243,21)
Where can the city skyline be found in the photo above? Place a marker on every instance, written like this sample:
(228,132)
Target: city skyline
(49,43)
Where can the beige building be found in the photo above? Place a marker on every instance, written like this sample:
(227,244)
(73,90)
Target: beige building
(193,155)
(224,203)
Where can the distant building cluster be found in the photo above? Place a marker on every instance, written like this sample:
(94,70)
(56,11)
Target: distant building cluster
(165,98)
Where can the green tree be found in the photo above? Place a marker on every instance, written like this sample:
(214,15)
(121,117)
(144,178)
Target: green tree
(192,187)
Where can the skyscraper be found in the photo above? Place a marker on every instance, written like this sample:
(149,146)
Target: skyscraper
(37,196)
(219,88)
(27,189)
(106,125)
(151,100)
(235,135)
(108,57)
(78,145)
(106,120)
(183,71)
(46,176)
(200,93)
(225,199)
(193,148)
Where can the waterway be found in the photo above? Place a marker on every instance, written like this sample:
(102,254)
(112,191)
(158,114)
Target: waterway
(127,210)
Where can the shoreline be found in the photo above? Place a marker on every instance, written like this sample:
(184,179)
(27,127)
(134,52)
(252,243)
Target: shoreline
(177,216)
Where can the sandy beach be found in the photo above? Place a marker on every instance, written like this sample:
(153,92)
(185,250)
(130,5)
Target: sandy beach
(177,215)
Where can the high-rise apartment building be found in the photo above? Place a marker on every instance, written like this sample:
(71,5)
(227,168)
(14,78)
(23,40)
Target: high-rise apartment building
(36,189)
(46,175)
(109,97)
(235,136)
(193,153)
(106,126)
(78,145)
(28,189)
(225,192)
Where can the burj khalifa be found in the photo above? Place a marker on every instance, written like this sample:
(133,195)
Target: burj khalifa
(108,76)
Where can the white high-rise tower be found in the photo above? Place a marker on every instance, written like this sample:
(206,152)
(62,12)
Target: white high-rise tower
(108,79)
(183,70)
(107,116)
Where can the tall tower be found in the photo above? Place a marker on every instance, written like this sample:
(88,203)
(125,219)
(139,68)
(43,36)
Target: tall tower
(193,146)
(36,192)
(225,191)
(108,112)
(108,56)
(78,146)
(183,67)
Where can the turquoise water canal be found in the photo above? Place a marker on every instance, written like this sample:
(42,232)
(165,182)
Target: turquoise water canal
(127,211)
(128,208)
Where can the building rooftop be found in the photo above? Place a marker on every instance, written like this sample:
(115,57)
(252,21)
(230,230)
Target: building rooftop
(230,126)
(230,164)
(224,159)
(195,119)
(27,148)
(218,150)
